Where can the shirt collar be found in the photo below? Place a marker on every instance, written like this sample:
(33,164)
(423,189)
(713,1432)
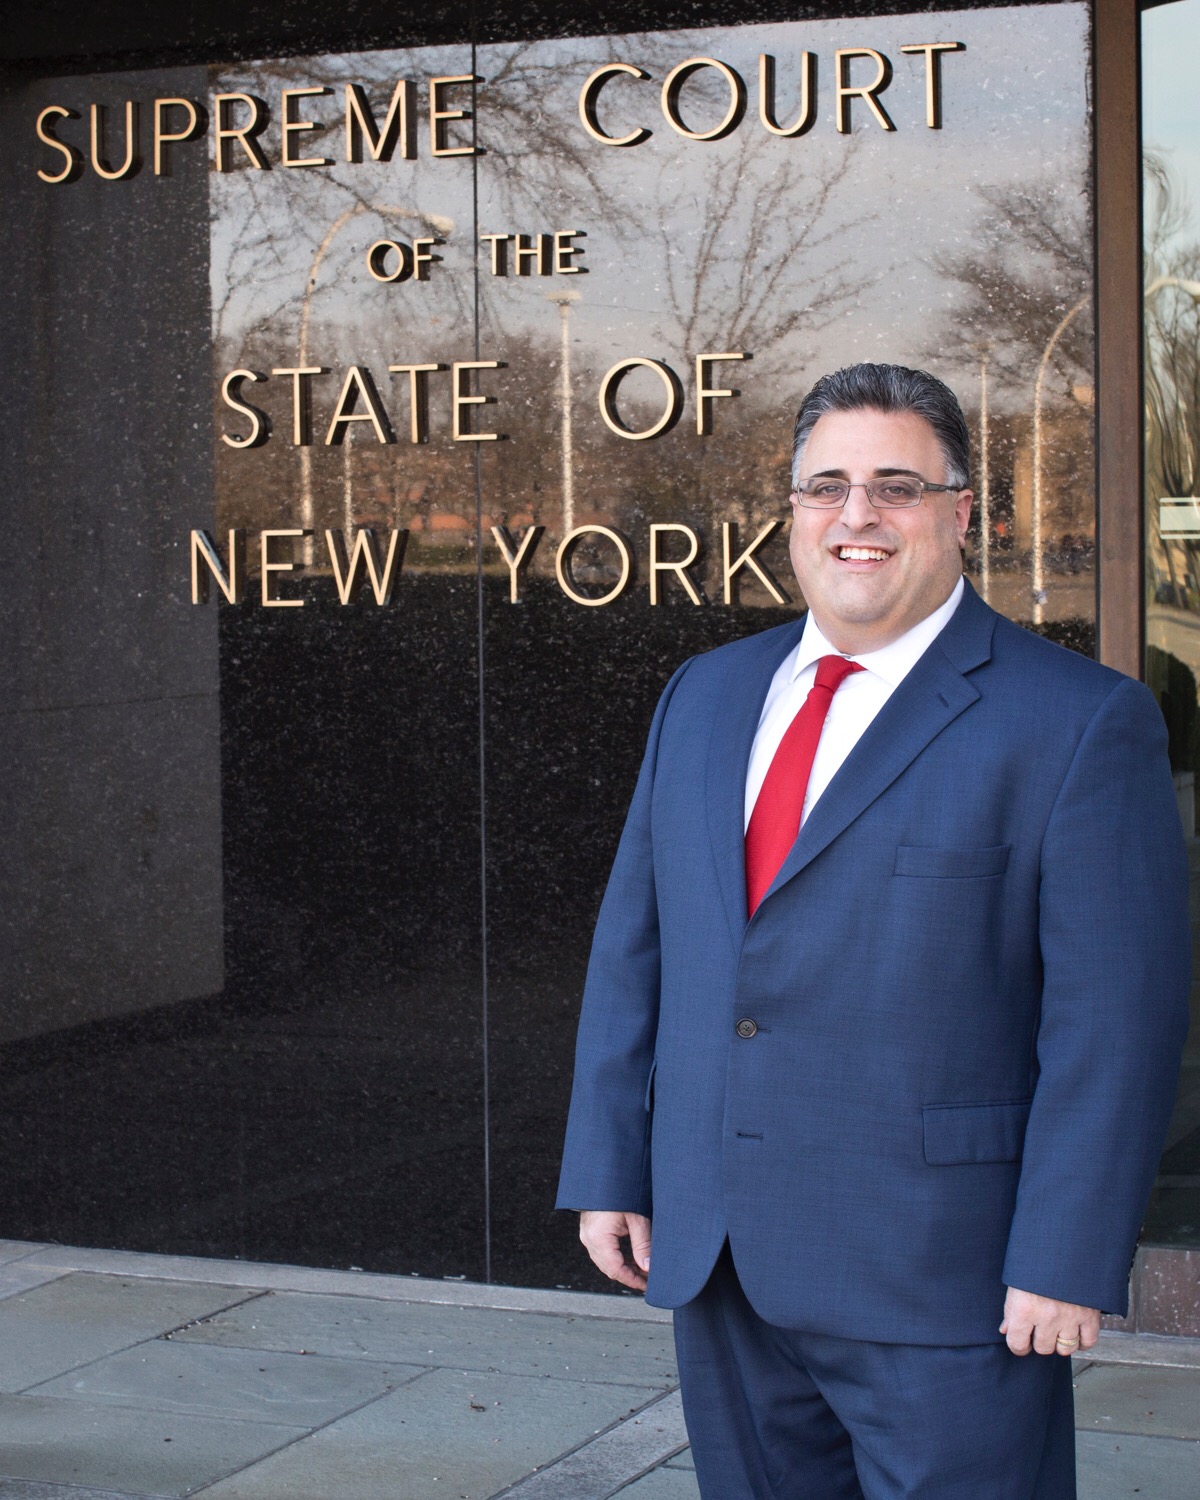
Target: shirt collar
(892,662)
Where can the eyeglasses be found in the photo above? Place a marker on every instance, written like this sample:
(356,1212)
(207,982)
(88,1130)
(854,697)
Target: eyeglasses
(895,492)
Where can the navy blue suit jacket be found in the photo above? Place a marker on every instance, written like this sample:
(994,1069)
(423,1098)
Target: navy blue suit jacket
(969,980)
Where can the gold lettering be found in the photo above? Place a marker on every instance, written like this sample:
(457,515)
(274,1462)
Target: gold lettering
(499,243)
(290,127)
(301,400)
(130,165)
(680,569)
(563,250)
(460,398)
(439,116)
(418,397)
(231,581)
(562,565)
(933,76)
(705,393)
(364,551)
(360,123)
(808,96)
(518,556)
(268,567)
(377,260)
(74,158)
(845,90)
(673,84)
(532,250)
(732,566)
(608,398)
(162,135)
(245,135)
(423,256)
(590,93)
(259,426)
(358,383)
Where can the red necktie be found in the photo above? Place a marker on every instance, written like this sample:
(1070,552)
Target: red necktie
(775,821)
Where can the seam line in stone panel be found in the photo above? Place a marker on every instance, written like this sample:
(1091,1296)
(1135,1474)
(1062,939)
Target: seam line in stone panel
(485,1051)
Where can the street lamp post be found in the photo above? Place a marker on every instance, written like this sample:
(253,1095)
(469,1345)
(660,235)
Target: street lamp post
(985,498)
(1039,583)
(564,300)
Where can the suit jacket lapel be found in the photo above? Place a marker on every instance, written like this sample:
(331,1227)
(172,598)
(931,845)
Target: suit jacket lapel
(735,720)
(932,696)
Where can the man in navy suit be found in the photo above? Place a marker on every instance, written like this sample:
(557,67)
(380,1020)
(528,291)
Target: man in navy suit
(885,1004)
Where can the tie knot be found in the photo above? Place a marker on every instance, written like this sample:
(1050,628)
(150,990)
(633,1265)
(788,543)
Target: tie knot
(832,671)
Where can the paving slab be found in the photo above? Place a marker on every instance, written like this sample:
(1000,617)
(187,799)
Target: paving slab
(20,1276)
(126,1450)
(459,1435)
(618,1303)
(1146,1349)
(663,1484)
(19,1249)
(599,1468)
(299,1390)
(77,1318)
(1118,1466)
(32,1489)
(523,1343)
(1154,1400)
(682,1460)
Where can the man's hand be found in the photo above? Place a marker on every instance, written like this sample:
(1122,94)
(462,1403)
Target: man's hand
(602,1234)
(1047,1326)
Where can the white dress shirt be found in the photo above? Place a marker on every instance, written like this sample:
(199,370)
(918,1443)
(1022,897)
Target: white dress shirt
(854,705)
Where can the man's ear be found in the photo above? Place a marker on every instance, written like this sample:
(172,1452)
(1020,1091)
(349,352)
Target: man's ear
(962,514)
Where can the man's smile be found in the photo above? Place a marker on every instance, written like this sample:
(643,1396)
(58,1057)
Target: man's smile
(849,553)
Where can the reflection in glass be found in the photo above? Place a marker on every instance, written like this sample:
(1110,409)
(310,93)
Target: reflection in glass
(1171,313)
(800,252)
(409,809)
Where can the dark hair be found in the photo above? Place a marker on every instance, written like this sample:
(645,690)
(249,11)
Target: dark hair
(889,388)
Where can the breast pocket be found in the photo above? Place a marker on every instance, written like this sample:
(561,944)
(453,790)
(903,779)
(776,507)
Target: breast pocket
(951,864)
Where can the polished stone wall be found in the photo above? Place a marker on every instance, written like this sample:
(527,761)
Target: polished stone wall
(296,900)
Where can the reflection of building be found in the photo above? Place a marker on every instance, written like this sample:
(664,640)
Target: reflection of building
(278,859)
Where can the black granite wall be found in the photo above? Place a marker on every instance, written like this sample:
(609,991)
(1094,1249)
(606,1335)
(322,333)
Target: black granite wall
(295,903)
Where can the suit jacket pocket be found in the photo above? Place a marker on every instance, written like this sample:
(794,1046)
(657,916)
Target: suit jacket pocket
(960,1133)
(951,864)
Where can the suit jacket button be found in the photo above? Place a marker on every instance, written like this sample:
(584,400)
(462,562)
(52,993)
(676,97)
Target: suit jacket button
(746,1028)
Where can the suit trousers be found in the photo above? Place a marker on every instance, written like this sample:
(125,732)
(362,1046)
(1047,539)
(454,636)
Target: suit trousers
(779,1414)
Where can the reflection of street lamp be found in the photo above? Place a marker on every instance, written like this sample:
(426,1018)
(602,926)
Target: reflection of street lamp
(985,491)
(1192,288)
(564,300)
(437,222)
(1039,587)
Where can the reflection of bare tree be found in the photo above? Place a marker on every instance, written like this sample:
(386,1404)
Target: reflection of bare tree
(1021,289)
(537,156)
(764,258)
(267,222)
(1172,373)
(1027,263)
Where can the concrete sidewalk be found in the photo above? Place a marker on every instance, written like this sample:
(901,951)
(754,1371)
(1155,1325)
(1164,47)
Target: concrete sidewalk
(126,1375)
